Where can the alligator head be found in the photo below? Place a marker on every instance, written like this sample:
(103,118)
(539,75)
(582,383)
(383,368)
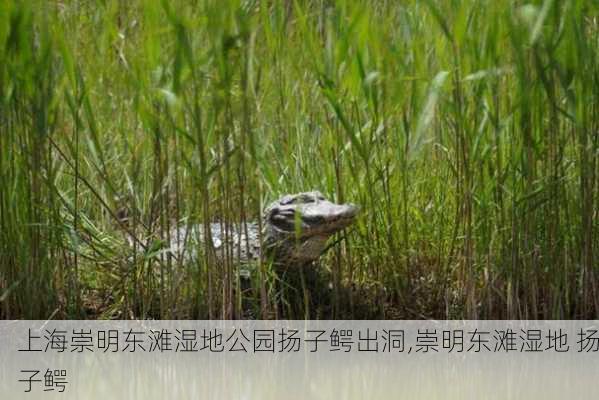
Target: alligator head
(297,227)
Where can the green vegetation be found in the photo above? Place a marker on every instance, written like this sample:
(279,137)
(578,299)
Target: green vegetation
(467,130)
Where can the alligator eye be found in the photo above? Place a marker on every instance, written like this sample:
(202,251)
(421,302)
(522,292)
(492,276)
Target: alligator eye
(288,200)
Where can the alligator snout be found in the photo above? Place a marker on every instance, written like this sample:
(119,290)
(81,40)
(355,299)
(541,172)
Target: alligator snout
(326,218)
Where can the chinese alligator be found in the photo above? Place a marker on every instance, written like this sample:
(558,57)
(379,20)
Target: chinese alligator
(295,231)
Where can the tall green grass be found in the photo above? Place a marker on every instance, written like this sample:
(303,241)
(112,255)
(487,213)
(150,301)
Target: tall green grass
(468,131)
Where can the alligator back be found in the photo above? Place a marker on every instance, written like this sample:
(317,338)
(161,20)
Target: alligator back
(241,242)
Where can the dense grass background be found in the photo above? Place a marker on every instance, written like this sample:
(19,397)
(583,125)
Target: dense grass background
(467,130)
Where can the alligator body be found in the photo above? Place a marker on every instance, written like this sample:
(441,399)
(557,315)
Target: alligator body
(295,231)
